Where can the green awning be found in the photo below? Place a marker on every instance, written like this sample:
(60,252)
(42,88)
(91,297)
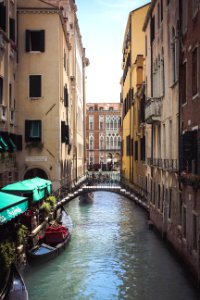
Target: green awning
(3,144)
(37,187)
(43,182)
(11,206)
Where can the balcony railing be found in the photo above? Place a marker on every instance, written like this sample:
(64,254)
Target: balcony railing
(165,164)
(153,110)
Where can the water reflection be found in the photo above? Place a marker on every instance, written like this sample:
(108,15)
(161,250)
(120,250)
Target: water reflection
(112,255)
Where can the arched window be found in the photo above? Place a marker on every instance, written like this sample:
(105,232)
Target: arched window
(174,56)
(107,142)
(115,123)
(111,124)
(119,142)
(111,142)
(91,142)
(101,142)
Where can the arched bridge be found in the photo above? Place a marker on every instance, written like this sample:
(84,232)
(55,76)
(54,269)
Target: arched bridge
(114,187)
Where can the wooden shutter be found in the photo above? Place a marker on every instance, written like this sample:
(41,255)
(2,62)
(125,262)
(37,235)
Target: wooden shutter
(152,29)
(28,40)
(27,131)
(136,150)
(12,29)
(42,41)
(142,149)
(62,131)
(65,96)
(35,86)
(2,17)
(67,134)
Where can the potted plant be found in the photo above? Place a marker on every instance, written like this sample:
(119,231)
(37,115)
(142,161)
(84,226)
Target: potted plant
(52,200)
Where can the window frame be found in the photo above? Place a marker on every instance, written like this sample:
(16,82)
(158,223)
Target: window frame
(29,43)
(194,94)
(29,91)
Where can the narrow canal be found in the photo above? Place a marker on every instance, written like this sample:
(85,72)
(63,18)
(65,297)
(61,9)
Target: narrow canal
(112,255)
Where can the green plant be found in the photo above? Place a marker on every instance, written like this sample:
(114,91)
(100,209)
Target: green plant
(52,200)
(46,208)
(21,234)
(7,253)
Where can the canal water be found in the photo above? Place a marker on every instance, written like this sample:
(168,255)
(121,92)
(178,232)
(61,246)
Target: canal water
(112,255)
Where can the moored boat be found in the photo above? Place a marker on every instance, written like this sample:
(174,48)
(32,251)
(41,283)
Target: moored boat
(86,198)
(53,241)
(15,288)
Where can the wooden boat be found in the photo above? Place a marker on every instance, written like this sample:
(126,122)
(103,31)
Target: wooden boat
(52,242)
(15,288)
(86,198)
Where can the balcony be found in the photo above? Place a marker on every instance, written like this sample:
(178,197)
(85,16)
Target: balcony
(164,164)
(153,110)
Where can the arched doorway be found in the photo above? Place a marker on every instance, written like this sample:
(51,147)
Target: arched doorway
(36,172)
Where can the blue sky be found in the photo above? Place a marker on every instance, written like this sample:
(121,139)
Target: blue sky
(102,24)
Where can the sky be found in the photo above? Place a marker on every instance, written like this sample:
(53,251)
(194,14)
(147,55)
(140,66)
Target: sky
(102,25)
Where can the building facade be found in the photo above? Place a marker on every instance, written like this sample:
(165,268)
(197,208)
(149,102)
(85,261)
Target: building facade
(190,132)
(10,140)
(103,136)
(44,92)
(133,49)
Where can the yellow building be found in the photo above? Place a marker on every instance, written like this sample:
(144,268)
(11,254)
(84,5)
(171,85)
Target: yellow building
(132,65)
(50,91)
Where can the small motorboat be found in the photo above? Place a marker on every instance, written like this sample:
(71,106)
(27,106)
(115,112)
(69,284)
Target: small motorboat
(15,288)
(86,198)
(53,241)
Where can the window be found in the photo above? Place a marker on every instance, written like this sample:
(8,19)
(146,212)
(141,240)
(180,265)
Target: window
(101,142)
(35,40)
(107,142)
(35,86)
(183,83)
(101,122)
(174,57)
(12,29)
(136,150)
(65,61)
(194,72)
(65,96)
(91,122)
(184,11)
(91,142)
(10,95)
(2,17)
(110,108)
(194,225)
(33,130)
(91,158)
(189,152)
(161,10)
(152,29)
(184,222)
(1,90)
(195,7)
(158,15)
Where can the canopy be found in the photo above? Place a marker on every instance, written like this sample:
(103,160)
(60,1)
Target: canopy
(11,206)
(37,187)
